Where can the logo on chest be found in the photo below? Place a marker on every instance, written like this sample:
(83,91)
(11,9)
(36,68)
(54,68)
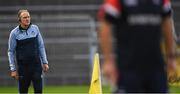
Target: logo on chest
(156,2)
(144,19)
(33,33)
(131,3)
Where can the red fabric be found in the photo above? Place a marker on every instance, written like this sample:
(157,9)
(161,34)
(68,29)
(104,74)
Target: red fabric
(166,2)
(101,13)
(114,3)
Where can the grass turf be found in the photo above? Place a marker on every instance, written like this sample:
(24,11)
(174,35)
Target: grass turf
(70,89)
(56,89)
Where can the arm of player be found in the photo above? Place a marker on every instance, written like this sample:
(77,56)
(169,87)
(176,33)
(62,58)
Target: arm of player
(109,68)
(167,28)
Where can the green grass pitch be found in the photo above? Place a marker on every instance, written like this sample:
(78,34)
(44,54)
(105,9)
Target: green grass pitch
(70,89)
(56,89)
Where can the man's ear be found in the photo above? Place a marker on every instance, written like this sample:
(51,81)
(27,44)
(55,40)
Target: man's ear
(19,19)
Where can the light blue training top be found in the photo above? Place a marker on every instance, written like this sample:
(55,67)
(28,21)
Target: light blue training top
(19,34)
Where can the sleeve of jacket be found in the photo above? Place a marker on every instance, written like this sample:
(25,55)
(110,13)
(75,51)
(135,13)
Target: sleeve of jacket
(11,50)
(41,48)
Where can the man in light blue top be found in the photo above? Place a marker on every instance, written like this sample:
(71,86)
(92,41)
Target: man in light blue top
(26,48)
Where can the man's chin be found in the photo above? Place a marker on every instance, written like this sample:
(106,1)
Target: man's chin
(27,24)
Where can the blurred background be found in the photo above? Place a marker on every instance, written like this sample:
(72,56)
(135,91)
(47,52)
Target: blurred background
(69,31)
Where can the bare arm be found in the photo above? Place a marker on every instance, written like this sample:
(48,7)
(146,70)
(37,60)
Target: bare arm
(109,66)
(105,39)
(167,28)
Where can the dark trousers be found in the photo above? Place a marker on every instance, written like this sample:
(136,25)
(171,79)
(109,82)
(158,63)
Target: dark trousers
(142,82)
(30,71)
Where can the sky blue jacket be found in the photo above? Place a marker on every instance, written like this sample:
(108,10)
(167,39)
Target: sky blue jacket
(18,34)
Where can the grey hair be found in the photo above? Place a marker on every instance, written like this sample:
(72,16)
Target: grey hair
(20,11)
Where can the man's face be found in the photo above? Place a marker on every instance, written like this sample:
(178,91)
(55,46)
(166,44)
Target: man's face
(25,18)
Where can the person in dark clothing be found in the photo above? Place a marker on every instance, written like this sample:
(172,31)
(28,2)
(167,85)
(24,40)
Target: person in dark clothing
(135,62)
(26,47)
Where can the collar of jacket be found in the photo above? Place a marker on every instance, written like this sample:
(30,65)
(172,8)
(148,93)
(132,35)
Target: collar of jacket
(22,29)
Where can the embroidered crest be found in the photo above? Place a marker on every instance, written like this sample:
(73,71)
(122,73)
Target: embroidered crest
(33,33)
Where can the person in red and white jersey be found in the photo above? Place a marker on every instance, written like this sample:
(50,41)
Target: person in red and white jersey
(135,62)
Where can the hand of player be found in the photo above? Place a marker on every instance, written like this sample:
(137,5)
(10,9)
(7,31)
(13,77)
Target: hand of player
(14,74)
(172,65)
(45,67)
(110,71)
